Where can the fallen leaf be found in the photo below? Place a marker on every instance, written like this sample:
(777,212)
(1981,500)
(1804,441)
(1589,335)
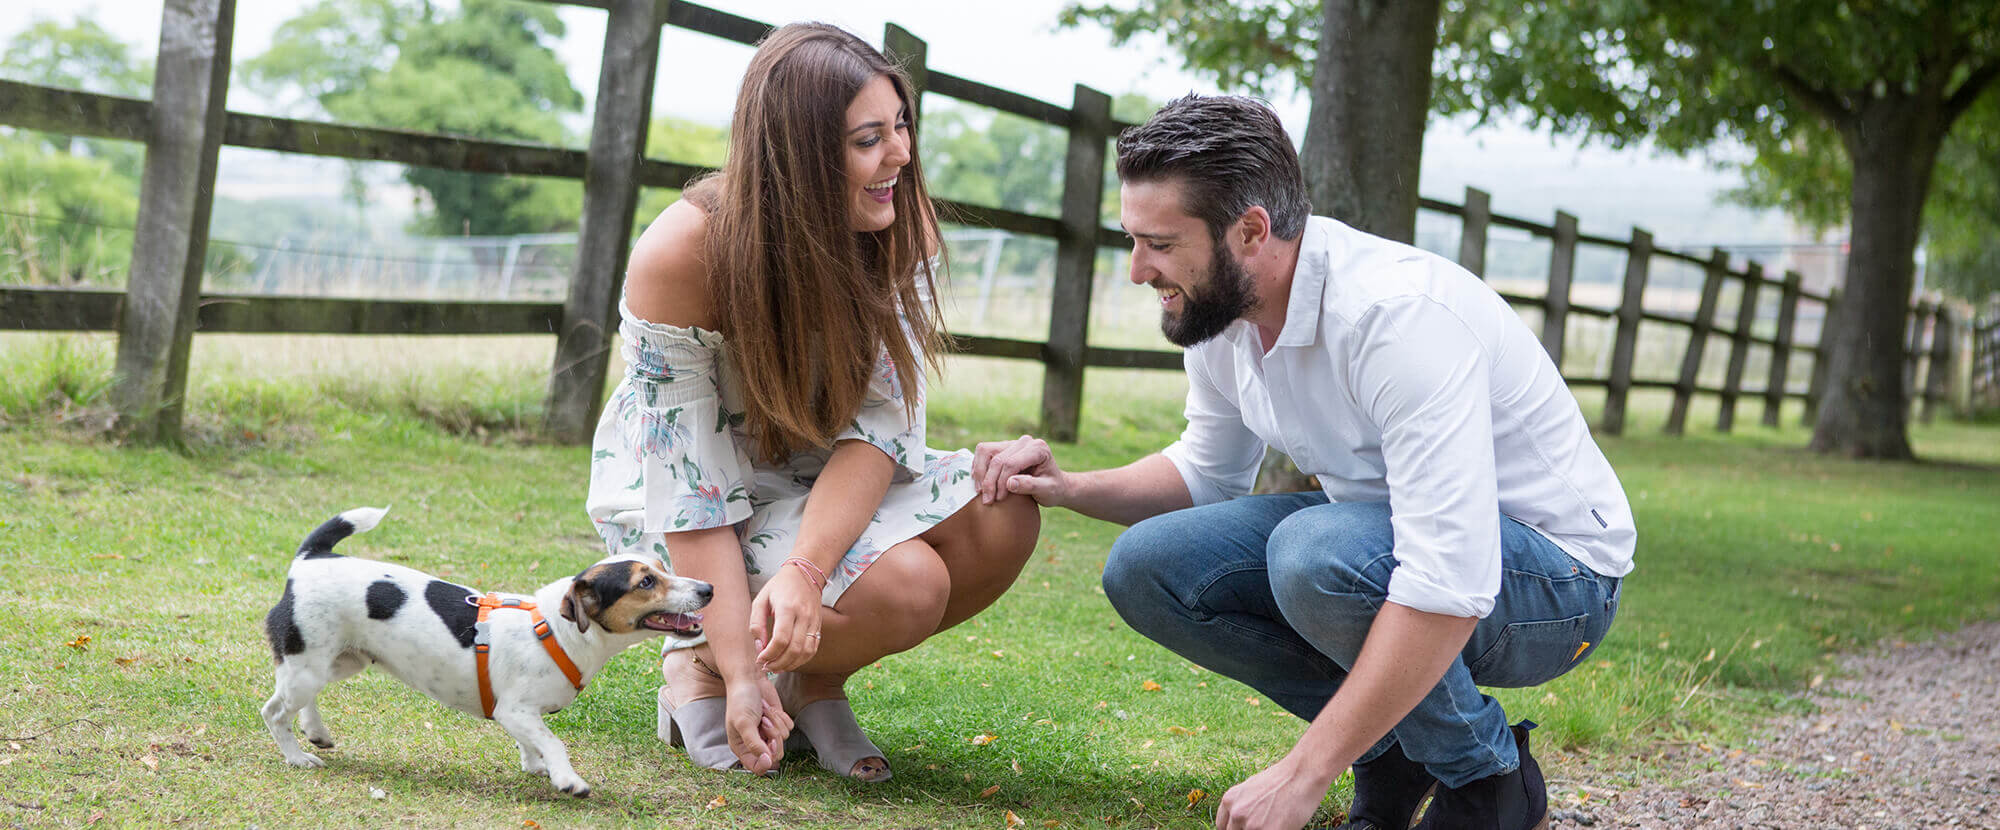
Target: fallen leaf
(108,556)
(913,748)
(151,762)
(96,816)
(989,791)
(377,793)
(999,653)
(1014,820)
(1150,686)
(718,801)
(984,739)
(533,565)
(1016,765)
(1147,745)
(1194,797)
(81,642)
(1051,823)
(1253,701)
(126,661)
(531,823)
(1179,730)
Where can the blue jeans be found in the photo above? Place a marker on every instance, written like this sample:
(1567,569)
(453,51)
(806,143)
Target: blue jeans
(1278,592)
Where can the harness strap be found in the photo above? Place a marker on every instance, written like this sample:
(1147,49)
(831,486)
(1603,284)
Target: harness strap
(483,644)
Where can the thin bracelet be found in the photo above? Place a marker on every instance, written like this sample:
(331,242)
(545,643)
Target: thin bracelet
(813,574)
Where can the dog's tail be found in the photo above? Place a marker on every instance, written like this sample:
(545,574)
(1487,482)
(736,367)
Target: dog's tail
(320,543)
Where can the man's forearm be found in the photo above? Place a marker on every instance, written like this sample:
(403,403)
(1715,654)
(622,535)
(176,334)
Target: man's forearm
(1129,494)
(1406,653)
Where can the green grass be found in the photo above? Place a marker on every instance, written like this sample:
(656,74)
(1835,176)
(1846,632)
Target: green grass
(1758,561)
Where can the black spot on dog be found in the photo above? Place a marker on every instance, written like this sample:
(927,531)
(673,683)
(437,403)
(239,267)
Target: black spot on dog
(612,582)
(384,599)
(320,544)
(448,602)
(281,628)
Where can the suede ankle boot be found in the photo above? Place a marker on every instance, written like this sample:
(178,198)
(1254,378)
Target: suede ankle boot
(1517,800)
(1387,792)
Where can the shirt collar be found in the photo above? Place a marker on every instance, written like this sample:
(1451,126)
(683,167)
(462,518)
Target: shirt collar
(1302,307)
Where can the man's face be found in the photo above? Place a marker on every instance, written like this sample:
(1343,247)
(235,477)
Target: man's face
(1202,286)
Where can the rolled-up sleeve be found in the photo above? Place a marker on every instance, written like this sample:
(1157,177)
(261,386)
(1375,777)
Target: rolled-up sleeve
(1423,377)
(1217,456)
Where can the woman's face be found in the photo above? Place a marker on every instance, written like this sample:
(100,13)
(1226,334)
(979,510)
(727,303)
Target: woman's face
(878,145)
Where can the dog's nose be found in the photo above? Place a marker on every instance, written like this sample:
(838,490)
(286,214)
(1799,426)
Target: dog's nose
(705,591)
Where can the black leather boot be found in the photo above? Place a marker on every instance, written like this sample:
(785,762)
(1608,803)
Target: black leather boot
(1387,791)
(1517,800)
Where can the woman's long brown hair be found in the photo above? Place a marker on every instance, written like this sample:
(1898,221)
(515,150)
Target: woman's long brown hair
(805,303)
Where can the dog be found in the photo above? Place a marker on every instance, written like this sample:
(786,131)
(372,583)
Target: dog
(339,615)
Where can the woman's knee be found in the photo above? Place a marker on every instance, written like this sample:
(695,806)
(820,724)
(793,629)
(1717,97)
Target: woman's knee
(901,596)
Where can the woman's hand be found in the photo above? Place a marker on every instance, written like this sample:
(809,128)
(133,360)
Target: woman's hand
(785,620)
(757,725)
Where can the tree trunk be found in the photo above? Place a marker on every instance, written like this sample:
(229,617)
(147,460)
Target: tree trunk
(1364,143)
(1371,94)
(1893,144)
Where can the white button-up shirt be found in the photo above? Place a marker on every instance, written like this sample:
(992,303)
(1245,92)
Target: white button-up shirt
(1400,377)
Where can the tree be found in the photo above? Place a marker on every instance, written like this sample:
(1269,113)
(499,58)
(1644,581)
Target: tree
(64,219)
(1367,64)
(1887,78)
(489,70)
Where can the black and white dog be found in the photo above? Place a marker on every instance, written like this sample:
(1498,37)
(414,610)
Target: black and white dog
(338,615)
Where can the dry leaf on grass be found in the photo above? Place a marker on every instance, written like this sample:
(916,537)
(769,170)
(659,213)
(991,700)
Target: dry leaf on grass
(1014,820)
(989,791)
(1150,686)
(81,642)
(1194,797)
(151,762)
(984,739)
(718,801)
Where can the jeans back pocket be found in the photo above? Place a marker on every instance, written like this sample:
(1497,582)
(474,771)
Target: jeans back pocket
(1532,653)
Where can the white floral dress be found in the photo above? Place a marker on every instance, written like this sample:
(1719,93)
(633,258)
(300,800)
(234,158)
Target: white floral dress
(671,455)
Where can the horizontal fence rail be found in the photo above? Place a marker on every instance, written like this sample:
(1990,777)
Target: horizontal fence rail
(584,324)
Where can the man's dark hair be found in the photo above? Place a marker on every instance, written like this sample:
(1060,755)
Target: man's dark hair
(1228,152)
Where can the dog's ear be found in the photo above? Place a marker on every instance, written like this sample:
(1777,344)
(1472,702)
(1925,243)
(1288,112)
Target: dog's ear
(580,604)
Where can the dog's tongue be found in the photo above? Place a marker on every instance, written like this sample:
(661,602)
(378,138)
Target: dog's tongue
(674,622)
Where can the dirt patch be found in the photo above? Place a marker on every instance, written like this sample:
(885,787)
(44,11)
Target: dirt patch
(1907,735)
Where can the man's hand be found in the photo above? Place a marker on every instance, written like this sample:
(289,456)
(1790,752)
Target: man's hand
(1024,465)
(1282,797)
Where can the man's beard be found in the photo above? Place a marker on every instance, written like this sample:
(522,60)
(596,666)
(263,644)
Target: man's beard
(1225,297)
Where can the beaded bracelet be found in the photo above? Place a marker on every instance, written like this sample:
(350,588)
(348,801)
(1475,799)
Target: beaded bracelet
(814,575)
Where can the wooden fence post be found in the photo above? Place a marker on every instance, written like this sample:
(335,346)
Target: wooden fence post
(1781,354)
(1937,379)
(1625,345)
(1477,217)
(911,53)
(1076,256)
(1739,345)
(1816,388)
(610,196)
(1555,303)
(1704,325)
(1913,351)
(170,242)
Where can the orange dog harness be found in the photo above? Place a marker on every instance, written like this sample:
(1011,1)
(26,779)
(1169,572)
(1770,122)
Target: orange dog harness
(483,643)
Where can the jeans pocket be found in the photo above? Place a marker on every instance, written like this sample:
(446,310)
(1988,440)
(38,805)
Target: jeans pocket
(1532,653)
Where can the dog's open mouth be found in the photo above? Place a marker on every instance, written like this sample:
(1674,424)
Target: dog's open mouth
(684,625)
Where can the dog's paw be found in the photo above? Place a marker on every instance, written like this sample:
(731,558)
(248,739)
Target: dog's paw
(570,783)
(305,760)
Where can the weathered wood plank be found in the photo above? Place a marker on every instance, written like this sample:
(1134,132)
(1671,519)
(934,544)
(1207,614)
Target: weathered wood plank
(1739,346)
(243,314)
(1076,258)
(70,112)
(1472,231)
(1781,350)
(1562,270)
(624,110)
(27,308)
(1704,324)
(170,242)
(1625,343)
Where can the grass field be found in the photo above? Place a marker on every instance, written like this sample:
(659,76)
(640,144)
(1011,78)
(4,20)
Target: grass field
(138,578)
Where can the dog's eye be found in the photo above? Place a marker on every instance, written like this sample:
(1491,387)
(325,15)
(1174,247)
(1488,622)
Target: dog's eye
(646,583)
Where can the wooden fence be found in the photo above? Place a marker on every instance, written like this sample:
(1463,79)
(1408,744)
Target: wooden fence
(1984,392)
(186,123)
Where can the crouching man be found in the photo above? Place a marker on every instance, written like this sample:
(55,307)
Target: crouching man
(1469,532)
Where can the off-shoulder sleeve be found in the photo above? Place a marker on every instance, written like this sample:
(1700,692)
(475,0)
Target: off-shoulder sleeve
(667,456)
(892,419)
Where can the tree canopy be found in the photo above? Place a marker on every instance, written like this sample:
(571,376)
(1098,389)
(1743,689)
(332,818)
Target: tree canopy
(487,70)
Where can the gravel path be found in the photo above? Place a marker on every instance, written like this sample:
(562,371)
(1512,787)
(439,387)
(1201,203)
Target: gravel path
(1908,736)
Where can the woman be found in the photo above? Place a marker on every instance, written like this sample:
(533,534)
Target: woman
(768,436)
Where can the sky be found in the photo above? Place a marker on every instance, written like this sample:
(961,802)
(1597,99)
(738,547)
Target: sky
(1014,45)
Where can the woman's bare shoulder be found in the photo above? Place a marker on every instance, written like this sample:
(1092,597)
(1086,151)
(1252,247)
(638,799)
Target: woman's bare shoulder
(667,278)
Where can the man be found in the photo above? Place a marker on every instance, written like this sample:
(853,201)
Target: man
(1470,532)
